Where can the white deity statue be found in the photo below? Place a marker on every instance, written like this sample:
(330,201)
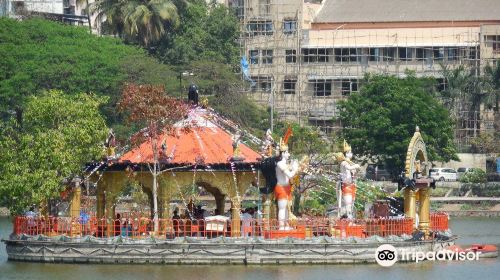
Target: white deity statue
(268,144)
(347,187)
(285,170)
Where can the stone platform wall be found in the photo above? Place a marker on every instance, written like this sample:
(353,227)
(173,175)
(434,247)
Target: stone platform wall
(294,252)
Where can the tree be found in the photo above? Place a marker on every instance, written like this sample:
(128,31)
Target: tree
(39,55)
(149,106)
(379,121)
(57,135)
(142,21)
(488,143)
(307,141)
(208,33)
(492,75)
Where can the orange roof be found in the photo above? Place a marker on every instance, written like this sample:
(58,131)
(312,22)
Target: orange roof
(204,142)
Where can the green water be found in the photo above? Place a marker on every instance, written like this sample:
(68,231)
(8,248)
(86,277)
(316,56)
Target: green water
(470,230)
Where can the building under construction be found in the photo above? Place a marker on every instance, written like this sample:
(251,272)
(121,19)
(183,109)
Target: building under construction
(304,57)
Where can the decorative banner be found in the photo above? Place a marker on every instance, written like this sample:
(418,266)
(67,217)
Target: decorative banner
(244,70)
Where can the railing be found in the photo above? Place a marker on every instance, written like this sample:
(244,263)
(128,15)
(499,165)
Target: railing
(439,221)
(268,229)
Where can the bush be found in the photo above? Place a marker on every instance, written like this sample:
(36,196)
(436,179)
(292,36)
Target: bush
(475,175)
(481,189)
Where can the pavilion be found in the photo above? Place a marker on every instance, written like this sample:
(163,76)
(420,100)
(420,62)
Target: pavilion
(200,155)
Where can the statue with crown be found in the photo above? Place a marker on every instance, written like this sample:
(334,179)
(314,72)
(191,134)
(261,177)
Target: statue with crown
(281,174)
(346,186)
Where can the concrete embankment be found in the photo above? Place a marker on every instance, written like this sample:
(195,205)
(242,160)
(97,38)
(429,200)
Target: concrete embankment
(224,251)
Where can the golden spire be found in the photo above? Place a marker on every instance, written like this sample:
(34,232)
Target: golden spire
(347,148)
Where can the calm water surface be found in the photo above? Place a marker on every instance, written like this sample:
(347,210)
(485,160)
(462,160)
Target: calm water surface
(470,230)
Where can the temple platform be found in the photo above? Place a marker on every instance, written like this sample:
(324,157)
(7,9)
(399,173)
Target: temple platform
(318,250)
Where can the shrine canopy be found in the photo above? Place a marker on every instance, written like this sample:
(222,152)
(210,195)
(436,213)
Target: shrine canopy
(199,141)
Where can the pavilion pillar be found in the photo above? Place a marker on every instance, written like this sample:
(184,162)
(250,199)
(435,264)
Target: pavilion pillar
(424,210)
(108,189)
(220,203)
(76,197)
(410,203)
(100,203)
(266,210)
(235,217)
(75,208)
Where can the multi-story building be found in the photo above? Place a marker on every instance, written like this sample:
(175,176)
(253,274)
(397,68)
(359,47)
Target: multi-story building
(304,57)
(61,10)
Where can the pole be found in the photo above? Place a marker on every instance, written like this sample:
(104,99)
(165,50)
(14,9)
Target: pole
(272,105)
(88,16)
(180,83)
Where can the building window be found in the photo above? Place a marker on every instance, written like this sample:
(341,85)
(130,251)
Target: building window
(438,53)
(289,26)
(346,55)
(316,55)
(289,86)
(267,56)
(323,88)
(424,53)
(255,28)
(348,86)
(239,7)
(322,55)
(264,7)
(451,54)
(493,41)
(389,54)
(254,56)
(375,54)
(420,54)
(473,53)
(405,54)
(262,83)
(310,55)
(291,56)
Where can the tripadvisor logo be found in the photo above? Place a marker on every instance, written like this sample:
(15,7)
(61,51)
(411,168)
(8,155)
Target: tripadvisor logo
(386,255)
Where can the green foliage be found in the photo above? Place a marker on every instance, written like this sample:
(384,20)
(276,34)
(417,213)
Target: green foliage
(380,120)
(57,135)
(141,21)
(475,175)
(486,143)
(305,140)
(40,55)
(320,198)
(493,81)
(205,33)
(367,192)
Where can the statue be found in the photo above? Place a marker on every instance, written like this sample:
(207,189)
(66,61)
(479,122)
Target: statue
(193,94)
(236,147)
(268,144)
(282,191)
(346,188)
(110,145)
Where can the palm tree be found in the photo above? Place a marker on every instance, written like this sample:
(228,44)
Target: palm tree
(142,21)
(492,74)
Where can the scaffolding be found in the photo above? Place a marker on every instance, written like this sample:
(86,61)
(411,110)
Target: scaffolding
(302,71)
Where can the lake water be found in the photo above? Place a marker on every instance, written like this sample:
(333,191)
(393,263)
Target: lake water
(470,230)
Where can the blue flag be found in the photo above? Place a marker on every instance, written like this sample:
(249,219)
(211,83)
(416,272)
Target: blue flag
(244,70)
